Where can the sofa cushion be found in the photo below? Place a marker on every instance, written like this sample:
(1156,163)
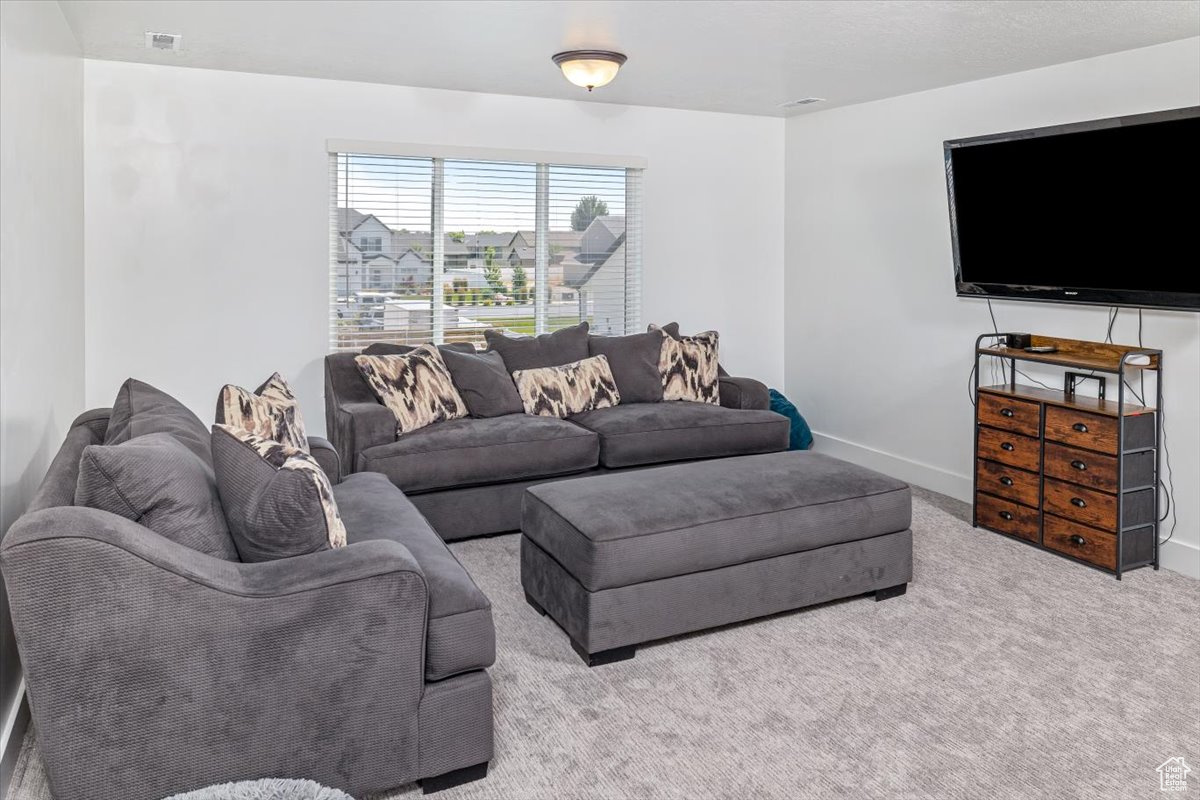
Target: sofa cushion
(157,482)
(460,635)
(141,409)
(277,499)
(416,387)
(652,433)
(270,411)
(634,363)
(466,452)
(547,350)
(568,389)
(483,382)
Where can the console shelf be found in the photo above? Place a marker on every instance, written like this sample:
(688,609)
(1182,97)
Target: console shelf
(1078,353)
(1068,473)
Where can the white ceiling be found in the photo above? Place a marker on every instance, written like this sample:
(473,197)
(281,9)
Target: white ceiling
(745,57)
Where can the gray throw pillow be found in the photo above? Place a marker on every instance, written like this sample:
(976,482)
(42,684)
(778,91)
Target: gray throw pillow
(484,383)
(634,363)
(278,501)
(156,481)
(670,329)
(564,346)
(141,409)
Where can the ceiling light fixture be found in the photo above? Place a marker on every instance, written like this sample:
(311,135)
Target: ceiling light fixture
(589,68)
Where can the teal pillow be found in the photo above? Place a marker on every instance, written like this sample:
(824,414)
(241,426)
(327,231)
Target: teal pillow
(801,437)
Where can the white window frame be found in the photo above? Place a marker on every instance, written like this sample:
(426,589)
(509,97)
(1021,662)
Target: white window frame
(634,167)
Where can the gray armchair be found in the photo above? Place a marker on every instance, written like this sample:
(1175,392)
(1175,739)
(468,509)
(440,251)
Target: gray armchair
(152,668)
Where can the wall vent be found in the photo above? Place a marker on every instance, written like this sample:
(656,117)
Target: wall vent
(803,101)
(164,41)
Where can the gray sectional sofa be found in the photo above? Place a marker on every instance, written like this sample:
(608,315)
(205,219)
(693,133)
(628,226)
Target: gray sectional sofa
(468,476)
(153,668)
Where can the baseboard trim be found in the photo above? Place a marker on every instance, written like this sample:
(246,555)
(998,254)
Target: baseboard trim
(16,721)
(1180,557)
(1175,555)
(920,474)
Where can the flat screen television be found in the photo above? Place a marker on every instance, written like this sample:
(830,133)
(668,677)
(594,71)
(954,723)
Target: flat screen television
(1102,212)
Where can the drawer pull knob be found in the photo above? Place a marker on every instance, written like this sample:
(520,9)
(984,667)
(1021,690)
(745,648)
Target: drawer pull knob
(1006,412)
(1078,502)
(1006,515)
(1079,465)
(1079,426)
(1007,481)
(1007,446)
(1078,540)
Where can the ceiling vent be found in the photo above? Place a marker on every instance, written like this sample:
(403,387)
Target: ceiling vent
(164,41)
(803,101)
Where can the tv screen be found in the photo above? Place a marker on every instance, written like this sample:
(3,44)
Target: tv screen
(1102,212)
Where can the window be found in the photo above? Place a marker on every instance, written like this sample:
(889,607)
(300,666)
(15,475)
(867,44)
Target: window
(443,248)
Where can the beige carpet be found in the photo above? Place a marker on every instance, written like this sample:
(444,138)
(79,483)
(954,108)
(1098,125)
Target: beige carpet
(1004,672)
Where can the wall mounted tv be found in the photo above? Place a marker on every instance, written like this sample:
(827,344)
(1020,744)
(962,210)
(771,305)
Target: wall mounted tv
(1103,212)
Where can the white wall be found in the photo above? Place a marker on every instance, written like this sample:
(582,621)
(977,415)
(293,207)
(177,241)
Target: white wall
(41,267)
(878,345)
(207,216)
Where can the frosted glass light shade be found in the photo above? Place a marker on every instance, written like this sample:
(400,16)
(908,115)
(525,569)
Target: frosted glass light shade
(589,68)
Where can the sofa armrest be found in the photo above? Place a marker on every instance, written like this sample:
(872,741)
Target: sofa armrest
(154,669)
(744,393)
(357,426)
(327,457)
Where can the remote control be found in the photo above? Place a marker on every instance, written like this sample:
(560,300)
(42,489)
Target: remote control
(1045,348)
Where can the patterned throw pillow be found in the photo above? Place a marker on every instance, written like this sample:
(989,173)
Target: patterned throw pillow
(689,368)
(277,499)
(271,411)
(415,386)
(569,389)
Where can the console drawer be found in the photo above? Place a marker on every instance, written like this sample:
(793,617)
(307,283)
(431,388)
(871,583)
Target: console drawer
(1081,467)
(1098,471)
(1098,509)
(1006,516)
(999,411)
(1088,506)
(1080,429)
(1010,448)
(1091,545)
(1007,482)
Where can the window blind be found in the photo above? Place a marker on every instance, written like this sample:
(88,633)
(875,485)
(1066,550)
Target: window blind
(441,249)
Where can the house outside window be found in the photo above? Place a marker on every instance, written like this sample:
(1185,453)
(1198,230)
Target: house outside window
(525,246)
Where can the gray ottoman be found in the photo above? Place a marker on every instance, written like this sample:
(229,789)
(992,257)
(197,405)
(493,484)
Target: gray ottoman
(636,556)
